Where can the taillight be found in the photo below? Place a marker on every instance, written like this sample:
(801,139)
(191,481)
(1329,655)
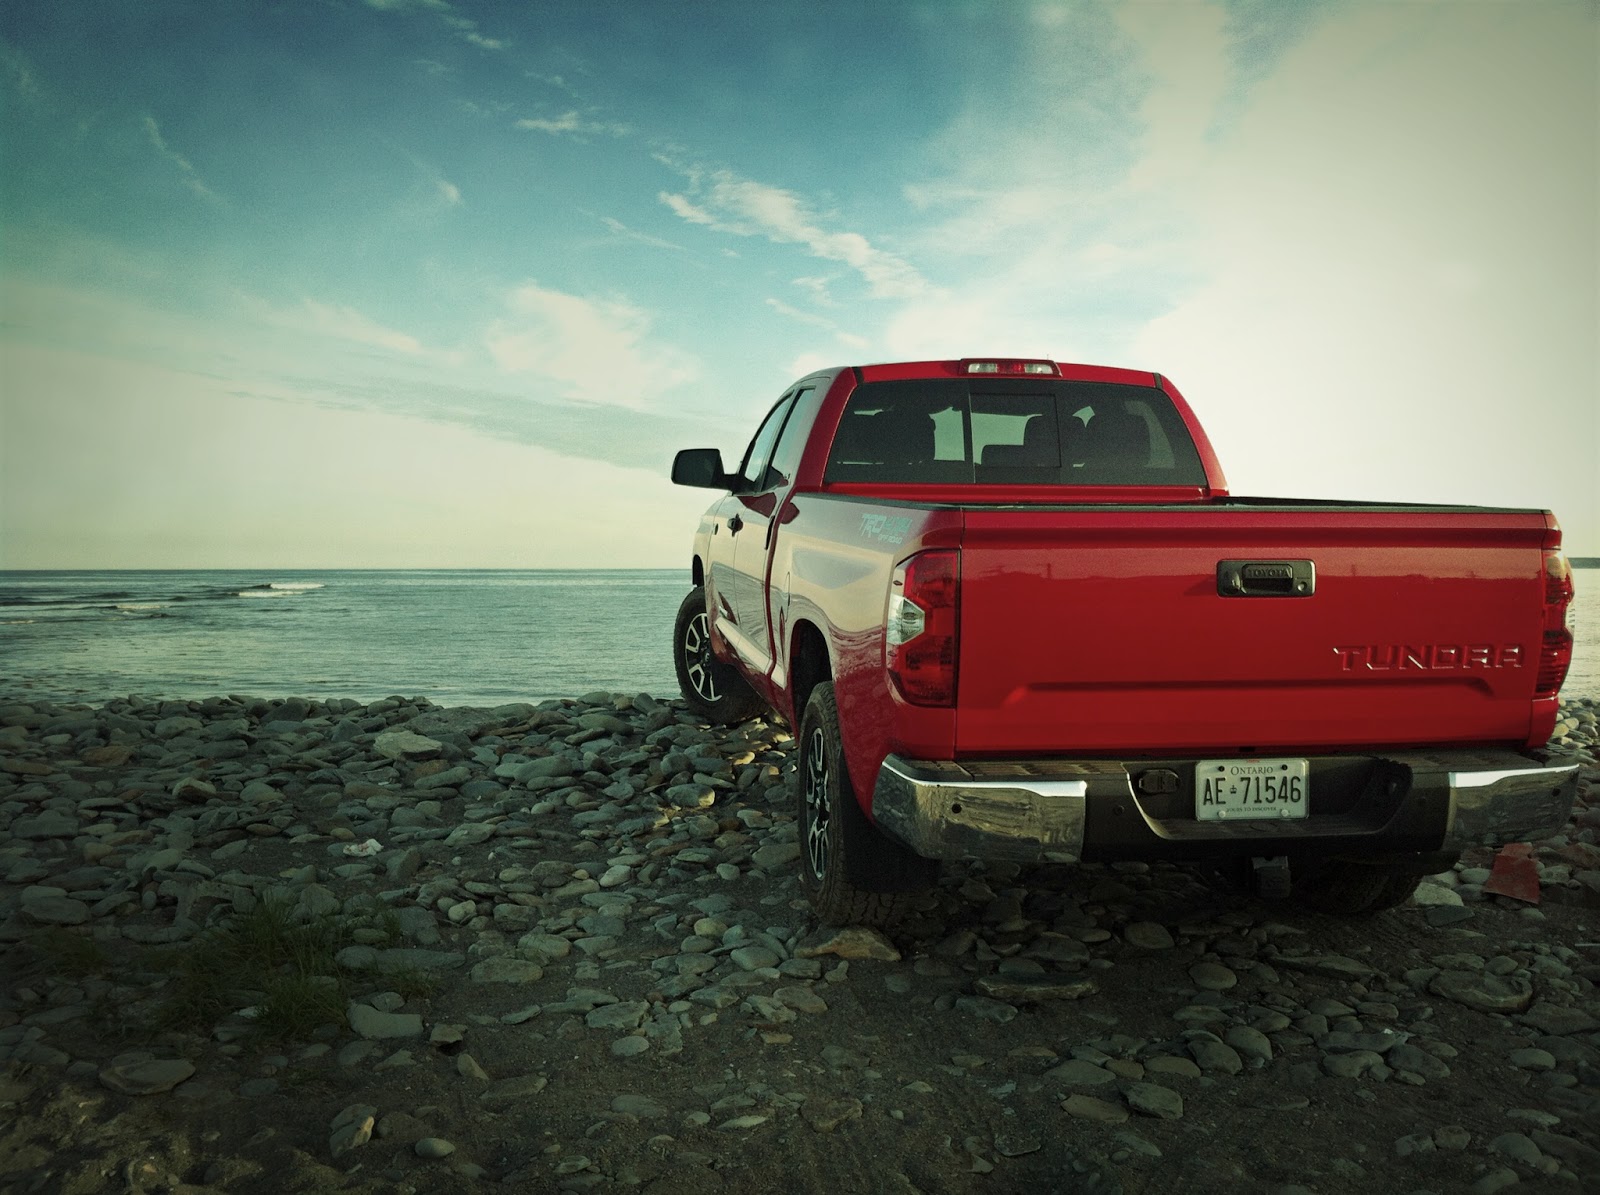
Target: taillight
(1046,368)
(921,627)
(1555,653)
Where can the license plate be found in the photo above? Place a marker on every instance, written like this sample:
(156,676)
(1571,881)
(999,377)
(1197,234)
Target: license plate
(1245,789)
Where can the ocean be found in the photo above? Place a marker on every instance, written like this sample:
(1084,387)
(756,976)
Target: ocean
(456,637)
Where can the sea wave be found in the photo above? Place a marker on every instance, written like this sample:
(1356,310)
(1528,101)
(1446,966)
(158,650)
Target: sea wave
(279,589)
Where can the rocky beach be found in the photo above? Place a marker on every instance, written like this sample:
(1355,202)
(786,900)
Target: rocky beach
(286,945)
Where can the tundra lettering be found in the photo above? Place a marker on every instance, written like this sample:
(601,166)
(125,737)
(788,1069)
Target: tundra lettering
(1435,657)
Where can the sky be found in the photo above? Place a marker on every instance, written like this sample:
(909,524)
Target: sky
(444,283)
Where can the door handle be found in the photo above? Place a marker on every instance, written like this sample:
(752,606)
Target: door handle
(734,524)
(1266,578)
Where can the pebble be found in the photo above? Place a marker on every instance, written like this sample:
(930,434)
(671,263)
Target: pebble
(141,1075)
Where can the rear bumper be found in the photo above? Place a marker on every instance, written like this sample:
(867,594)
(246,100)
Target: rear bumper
(1092,810)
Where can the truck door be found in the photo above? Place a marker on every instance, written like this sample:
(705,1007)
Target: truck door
(739,561)
(760,505)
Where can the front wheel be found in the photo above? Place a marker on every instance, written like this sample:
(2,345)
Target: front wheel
(851,871)
(710,688)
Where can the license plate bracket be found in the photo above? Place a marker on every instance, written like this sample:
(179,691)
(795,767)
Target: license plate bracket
(1252,789)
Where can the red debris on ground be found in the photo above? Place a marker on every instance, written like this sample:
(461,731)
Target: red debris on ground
(1515,874)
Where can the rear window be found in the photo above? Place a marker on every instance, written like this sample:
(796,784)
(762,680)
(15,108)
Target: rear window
(949,431)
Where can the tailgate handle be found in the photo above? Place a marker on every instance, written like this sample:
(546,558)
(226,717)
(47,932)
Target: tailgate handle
(1266,578)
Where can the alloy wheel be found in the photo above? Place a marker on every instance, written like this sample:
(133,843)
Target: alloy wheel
(819,805)
(698,660)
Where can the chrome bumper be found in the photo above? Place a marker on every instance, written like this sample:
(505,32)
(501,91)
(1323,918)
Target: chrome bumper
(1512,799)
(1034,810)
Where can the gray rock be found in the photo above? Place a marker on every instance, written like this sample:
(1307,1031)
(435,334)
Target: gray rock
(1151,1099)
(1079,1073)
(507,969)
(775,855)
(641,1106)
(624,1015)
(1147,935)
(1034,991)
(145,1076)
(49,824)
(1087,1107)
(1215,1057)
(1332,966)
(471,834)
(405,745)
(1212,977)
(1557,1021)
(753,958)
(1250,1043)
(352,1129)
(1484,992)
(1352,1065)
(1519,1148)
(55,910)
(1406,1057)
(373,1025)
(986,1009)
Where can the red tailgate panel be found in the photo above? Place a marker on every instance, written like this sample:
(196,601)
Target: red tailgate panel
(1104,632)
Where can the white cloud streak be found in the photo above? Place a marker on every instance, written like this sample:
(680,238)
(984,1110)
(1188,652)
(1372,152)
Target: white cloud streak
(810,319)
(592,350)
(186,171)
(744,207)
(619,229)
(572,124)
(463,27)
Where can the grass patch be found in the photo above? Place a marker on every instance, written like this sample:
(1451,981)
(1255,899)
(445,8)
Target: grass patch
(412,983)
(64,955)
(284,968)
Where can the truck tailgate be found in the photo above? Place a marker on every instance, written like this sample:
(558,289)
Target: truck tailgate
(1102,629)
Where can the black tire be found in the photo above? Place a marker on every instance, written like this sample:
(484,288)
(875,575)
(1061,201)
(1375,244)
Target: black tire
(710,688)
(851,871)
(1354,889)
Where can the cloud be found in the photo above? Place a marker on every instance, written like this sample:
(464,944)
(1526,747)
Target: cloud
(744,207)
(340,323)
(463,27)
(448,191)
(191,177)
(622,230)
(573,124)
(18,73)
(688,211)
(817,288)
(818,321)
(591,350)
(346,323)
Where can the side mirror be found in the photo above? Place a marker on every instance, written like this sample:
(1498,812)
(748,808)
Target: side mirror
(700,467)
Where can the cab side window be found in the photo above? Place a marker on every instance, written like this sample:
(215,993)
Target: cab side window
(792,442)
(753,469)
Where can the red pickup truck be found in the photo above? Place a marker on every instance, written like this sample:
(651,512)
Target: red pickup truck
(1014,613)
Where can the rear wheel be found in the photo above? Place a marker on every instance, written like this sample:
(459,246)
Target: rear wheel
(852,873)
(710,688)
(1354,889)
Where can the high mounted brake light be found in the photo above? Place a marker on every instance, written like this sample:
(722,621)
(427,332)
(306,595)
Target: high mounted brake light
(922,630)
(1014,368)
(1555,652)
